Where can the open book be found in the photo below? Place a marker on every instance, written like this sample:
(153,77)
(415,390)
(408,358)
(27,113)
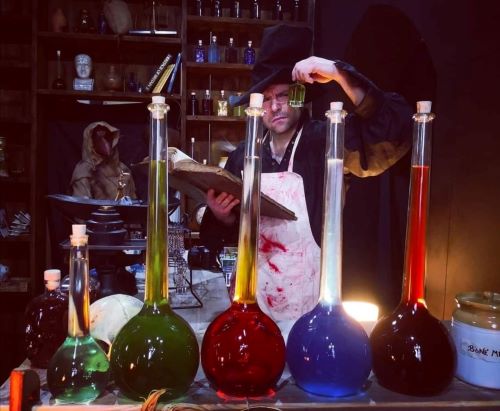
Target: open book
(194,179)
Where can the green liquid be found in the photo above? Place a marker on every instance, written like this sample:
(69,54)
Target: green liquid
(156,349)
(78,372)
(296,95)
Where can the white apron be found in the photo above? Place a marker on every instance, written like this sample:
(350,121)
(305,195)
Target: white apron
(289,258)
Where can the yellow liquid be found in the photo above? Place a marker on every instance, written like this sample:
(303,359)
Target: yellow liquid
(157,242)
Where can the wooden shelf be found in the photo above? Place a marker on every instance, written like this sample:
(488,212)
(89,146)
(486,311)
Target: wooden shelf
(15,121)
(219,68)
(49,36)
(216,119)
(208,23)
(103,95)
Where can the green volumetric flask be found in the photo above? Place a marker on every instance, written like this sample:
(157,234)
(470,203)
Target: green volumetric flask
(156,349)
(79,370)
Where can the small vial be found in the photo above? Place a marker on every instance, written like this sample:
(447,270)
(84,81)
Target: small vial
(207,104)
(236,9)
(278,10)
(231,52)
(199,53)
(213,51)
(193,106)
(255,9)
(249,54)
(222,105)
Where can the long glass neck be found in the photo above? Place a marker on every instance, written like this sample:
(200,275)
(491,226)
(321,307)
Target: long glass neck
(246,266)
(418,208)
(78,310)
(156,292)
(331,241)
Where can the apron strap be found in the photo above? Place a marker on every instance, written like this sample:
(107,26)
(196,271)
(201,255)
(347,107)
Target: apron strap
(290,163)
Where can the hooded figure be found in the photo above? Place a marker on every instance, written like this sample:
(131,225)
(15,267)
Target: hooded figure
(100,174)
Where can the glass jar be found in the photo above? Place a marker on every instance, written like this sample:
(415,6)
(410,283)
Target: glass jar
(476,332)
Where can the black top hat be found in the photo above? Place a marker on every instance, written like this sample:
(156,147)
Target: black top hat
(282,46)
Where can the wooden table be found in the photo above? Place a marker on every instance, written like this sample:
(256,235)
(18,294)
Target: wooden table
(287,397)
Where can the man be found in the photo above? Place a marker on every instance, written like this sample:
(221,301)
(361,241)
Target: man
(377,135)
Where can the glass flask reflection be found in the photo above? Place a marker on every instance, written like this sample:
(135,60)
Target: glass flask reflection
(243,351)
(412,350)
(328,352)
(156,349)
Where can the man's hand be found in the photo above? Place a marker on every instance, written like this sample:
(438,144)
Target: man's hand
(222,206)
(315,69)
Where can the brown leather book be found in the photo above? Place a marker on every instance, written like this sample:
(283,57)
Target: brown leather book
(194,179)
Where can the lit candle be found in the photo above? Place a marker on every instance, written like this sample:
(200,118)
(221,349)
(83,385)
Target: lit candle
(365,313)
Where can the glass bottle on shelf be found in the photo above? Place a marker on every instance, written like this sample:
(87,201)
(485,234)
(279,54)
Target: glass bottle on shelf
(216,8)
(199,53)
(249,54)
(156,349)
(213,51)
(192,147)
(222,105)
(243,352)
(193,107)
(328,328)
(79,370)
(207,108)
(44,317)
(132,82)
(58,83)
(278,10)
(231,52)
(198,8)
(236,9)
(255,9)
(413,352)
(3,158)
(239,111)
(296,10)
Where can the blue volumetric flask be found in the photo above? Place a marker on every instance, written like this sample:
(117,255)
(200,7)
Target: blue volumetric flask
(328,352)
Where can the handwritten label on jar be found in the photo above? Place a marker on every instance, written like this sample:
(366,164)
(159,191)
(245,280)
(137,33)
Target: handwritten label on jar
(478,359)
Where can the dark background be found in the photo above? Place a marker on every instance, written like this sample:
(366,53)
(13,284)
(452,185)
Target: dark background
(462,38)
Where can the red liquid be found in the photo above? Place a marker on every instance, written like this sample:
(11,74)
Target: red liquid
(413,289)
(243,352)
(412,351)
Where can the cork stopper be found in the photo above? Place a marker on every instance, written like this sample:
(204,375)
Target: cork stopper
(336,105)
(78,230)
(158,100)
(424,107)
(52,279)
(256,100)
(52,274)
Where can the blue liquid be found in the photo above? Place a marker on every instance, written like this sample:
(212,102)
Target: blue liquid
(78,372)
(328,352)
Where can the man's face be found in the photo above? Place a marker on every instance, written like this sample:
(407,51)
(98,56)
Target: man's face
(279,117)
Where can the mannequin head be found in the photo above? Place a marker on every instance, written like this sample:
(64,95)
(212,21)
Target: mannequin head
(83,65)
(102,140)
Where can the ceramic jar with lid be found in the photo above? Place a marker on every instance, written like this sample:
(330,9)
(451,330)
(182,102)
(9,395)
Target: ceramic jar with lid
(476,332)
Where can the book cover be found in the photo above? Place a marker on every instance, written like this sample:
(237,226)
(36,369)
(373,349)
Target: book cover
(163,79)
(157,73)
(174,74)
(194,179)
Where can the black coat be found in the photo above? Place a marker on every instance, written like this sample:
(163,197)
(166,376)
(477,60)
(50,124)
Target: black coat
(377,135)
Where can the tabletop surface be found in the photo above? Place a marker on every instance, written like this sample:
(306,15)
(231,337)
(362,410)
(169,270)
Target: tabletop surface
(211,288)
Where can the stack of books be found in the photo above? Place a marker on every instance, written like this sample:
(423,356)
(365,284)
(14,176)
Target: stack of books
(166,71)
